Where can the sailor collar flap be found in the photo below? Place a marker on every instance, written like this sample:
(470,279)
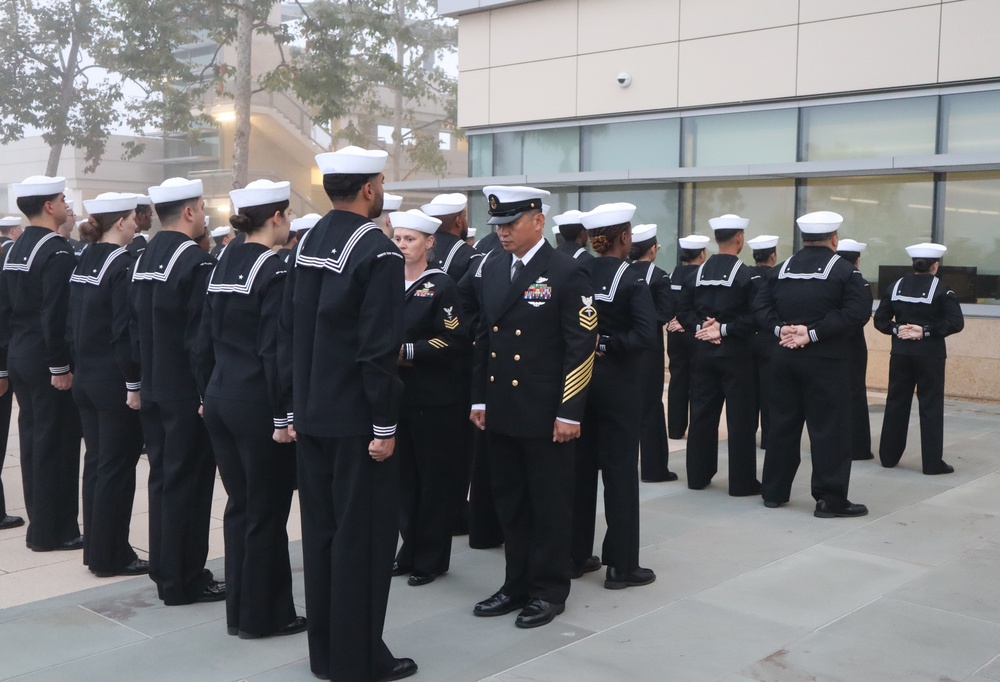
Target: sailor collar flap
(793,268)
(96,275)
(238,280)
(922,293)
(717,275)
(319,249)
(422,286)
(26,260)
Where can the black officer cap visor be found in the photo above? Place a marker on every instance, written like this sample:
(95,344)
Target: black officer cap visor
(504,213)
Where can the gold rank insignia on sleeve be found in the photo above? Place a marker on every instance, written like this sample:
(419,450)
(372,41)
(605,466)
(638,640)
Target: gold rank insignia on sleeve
(588,316)
(437,343)
(450,322)
(578,379)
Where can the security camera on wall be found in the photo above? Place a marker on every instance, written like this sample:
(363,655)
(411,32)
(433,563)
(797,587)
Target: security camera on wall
(624,79)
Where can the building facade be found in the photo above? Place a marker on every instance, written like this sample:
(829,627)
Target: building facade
(886,111)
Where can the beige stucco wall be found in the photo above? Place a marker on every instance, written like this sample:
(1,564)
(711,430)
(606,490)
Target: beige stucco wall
(555,59)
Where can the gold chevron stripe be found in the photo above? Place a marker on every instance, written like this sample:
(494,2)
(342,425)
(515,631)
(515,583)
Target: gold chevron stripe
(451,324)
(578,379)
(588,318)
(438,343)
(584,367)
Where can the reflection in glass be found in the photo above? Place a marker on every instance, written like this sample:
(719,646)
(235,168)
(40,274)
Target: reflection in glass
(971,123)
(634,145)
(972,227)
(769,204)
(888,213)
(654,204)
(480,156)
(862,130)
(507,153)
(552,151)
(752,137)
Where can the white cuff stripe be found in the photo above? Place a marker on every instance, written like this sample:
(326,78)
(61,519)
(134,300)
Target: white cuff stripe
(723,330)
(129,386)
(384,431)
(777,332)
(812,335)
(409,351)
(281,422)
(3,374)
(59,370)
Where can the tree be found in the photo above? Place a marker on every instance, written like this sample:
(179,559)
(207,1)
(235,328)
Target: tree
(67,68)
(389,72)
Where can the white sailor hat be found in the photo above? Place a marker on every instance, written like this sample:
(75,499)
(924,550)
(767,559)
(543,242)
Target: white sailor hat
(445,204)
(110,202)
(507,204)
(69,204)
(391,202)
(607,215)
(694,242)
(555,230)
(306,222)
(10,221)
(568,218)
(221,231)
(851,246)
(641,233)
(176,189)
(471,233)
(729,222)
(39,186)
(926,250)
(414,219)
(820,222)
(260,193)
(545,210)
(207,222)
(764,241)
(143,200)
(352,161)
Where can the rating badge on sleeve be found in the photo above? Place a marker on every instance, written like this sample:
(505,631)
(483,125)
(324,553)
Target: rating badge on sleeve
(588,316)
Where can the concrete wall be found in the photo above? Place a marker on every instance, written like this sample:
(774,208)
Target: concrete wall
(556,59)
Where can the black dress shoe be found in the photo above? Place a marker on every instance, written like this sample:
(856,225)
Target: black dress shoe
(826,511)
(11,522)
(295,627)
(588,565)
(863,457)
(537,613)
(418,579)
(772,504)
(404,668)
(137,567)
(941,468)
(666,478)
(498,605)
(619,580)
(214,591)
(397,569)
(68,546)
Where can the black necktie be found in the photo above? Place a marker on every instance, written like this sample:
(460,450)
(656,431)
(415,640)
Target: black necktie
(518,266)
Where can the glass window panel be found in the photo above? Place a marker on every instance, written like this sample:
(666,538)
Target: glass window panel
(769,204)
(753,137)
(636,145)
(971,123)
(552,151)
(655,204)
(888,213)
(480,156)
(479,213)
(507,153)
(971,228)
(870,129)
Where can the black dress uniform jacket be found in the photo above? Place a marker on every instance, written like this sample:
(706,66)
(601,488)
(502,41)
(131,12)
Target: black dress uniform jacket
(924,300)
(488,243)
(453,255)
(169,282)
(762,344)
(534,347)
(342,325)
(574,250)
(105,369)
(34,304)
(243,402)
(824,292)
(6,400)
(344,333)
(723,288)
(138,245)
(609,438)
